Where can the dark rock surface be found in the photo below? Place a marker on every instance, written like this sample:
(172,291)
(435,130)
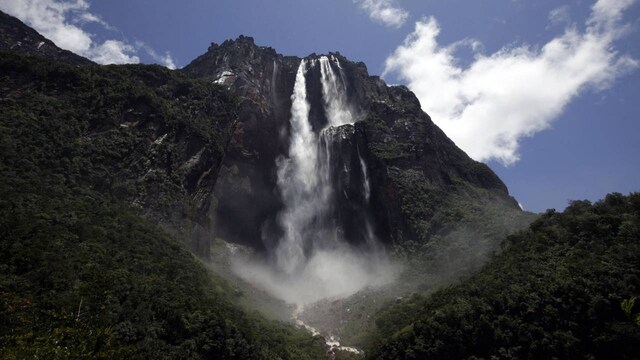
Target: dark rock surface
(247,200)
(398,141)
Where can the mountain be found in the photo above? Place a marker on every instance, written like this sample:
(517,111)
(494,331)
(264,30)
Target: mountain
(418,177)
(131,194)
(107,171)
(394,177)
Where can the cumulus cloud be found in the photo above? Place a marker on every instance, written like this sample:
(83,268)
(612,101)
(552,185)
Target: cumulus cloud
(488,106)
(384,11)
(112,52)
(61,21)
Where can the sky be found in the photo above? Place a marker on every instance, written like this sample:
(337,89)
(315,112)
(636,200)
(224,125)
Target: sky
(542,91)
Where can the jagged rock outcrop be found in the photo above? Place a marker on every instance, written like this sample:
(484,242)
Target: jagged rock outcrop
(413,166)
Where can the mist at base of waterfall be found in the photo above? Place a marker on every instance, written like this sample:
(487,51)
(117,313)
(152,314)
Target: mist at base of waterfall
(327,274)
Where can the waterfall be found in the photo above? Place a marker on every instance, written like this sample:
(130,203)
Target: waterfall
(305,177)
(334,94)
(366,188)
(273,84)
(297,179)
(312,260)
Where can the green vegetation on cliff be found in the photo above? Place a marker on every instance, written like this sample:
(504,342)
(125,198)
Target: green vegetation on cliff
(141,133)
(556,291)
(91,159)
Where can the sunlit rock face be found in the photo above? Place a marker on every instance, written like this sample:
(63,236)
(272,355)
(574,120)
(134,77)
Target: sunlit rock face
(387,131)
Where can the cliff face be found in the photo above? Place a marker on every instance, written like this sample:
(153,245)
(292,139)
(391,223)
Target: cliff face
(247,202)
(414,168)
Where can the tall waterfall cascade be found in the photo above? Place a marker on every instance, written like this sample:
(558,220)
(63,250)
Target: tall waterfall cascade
(313,260)
(304,178)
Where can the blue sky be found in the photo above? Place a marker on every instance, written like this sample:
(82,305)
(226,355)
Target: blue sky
(543,91)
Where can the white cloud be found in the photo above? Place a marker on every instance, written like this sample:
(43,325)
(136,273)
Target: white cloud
(165,60)
(560,15)
(489,105)
(384,11)
(113,52)
(60,21)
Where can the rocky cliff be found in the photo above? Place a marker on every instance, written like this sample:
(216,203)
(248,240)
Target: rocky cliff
(415,171)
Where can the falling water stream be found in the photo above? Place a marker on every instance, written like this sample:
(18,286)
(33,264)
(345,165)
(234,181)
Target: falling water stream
(298,180)
(304,177)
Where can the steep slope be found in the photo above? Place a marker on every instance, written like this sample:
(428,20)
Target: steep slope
(562,289)
(149,137)
(84,277)
(415,169)
(245,190)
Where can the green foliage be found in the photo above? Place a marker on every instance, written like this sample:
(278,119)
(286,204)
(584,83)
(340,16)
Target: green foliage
(627,306)
(130,131)
(454,231)
(89,278)
(554,292)
(391,150)
(82,273)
